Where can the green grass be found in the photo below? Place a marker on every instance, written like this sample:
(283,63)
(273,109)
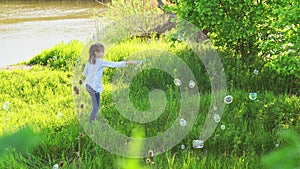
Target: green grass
(43,98)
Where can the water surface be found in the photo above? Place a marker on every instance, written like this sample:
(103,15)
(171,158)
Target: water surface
(27,28)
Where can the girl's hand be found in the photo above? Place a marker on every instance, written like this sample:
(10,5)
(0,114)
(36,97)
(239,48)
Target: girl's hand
(132,62)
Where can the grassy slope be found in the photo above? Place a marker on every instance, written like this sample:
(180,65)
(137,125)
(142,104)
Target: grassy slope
(43,98)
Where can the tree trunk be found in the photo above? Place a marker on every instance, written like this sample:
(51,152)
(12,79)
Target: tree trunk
(168,25)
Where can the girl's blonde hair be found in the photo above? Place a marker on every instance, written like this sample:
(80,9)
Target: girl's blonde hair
(96,47)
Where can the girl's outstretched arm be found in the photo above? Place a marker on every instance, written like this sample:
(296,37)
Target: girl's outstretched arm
(132,62)
(118,64)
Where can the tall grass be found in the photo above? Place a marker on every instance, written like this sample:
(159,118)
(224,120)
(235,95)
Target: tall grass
(43,98)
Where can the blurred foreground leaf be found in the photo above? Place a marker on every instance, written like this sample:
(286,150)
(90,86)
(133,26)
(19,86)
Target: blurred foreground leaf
(21,141)
(287,157)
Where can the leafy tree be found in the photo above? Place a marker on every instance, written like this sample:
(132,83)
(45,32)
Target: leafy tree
(245,27)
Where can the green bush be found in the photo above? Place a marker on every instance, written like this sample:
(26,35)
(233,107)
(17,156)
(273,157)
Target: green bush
(278,74)
(61,57)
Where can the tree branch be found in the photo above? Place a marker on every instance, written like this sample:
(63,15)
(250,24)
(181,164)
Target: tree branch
(160,4)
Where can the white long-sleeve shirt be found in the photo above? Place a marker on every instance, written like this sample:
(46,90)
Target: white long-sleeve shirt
(94,73)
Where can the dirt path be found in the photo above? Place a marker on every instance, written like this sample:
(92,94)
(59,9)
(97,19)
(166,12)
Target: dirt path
(10,67)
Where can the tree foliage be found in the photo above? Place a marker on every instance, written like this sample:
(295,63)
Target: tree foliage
(247,28)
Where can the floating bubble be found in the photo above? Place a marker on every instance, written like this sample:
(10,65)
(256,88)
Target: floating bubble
(255,71)
(179,37)
(182,122)
(6,105)
(223,127)
(277,145)
(215,108)
(182,146)
(150,153)
(217,118)
(192,84)
(177,82)
(59,115)
(198,143)
(148,160)
(55,166)
(228,99)
(252,96)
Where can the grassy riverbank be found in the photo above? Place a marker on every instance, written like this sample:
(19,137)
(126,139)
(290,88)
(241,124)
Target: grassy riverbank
(42,97)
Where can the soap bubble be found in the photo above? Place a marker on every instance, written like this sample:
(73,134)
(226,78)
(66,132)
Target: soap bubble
(59,115)
(177,82)
(148,160)
(192,84)
(215,108)
(6,105)
(182,146)
(217,118)
(252,96)
(255,71)
(150,153)
(198,143)
(223,127)
(55,166)
(182,122)
(179,38)
(228,99)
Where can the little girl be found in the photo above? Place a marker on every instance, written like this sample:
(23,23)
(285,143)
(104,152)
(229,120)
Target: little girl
(93,72)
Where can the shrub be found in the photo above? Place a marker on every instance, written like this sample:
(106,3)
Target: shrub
(61,57)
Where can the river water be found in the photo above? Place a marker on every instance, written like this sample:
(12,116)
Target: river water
(27,28)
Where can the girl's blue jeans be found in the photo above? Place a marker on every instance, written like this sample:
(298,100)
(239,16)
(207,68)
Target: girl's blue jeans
(95,97)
